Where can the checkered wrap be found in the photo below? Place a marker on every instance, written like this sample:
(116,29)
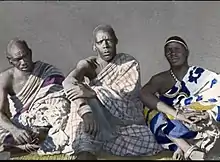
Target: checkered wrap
(119,113)
(117,87)
(133,140)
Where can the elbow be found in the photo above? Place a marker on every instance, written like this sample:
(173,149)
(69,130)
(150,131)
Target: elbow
(64,83)
(145,96)
(142,94)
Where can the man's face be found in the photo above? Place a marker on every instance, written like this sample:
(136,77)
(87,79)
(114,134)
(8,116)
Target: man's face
(105,45)
(176,54)
(21,58)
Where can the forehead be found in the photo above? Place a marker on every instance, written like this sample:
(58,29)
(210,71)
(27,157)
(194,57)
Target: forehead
(175,45)
(17,50)
(101,34)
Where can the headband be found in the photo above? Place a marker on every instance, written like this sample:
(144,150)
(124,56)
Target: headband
(177,41)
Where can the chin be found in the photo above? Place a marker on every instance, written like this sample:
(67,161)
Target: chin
(176,65)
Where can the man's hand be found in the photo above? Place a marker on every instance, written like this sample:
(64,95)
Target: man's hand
(90,124)
(21,136)
(197,116)
(80,91)
(183,118)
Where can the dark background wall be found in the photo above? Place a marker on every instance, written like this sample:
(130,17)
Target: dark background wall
(61,32)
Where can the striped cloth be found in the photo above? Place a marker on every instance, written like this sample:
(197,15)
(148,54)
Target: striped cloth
(41,103)
(119,112)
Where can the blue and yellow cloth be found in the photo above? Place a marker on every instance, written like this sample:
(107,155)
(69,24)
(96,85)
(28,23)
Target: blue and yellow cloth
(198,90)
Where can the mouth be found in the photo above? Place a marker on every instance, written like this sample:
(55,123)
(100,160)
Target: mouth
(107,53)
(24,67)
(174,60)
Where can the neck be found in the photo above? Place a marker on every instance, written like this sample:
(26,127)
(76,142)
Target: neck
(102,62)
(25,73)
(180,71)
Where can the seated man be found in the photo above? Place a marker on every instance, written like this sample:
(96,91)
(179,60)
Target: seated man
(175,99)
(107,112)
(32,103)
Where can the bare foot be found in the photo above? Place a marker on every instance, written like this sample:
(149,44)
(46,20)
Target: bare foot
(194,153)
(197,155)
(178,154)
(85,156)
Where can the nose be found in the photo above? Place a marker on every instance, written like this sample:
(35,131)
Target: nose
(23,62)
(172,53)
(105,44)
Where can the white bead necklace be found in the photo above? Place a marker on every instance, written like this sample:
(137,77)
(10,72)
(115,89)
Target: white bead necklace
(173,75)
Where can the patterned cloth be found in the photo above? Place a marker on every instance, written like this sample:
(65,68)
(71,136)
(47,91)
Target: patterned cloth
(41,103)
(119,112)
(198,91)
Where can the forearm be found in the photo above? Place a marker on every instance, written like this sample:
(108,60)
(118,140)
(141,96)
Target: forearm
(162,107)
(82,106)
(152,102)
(6,123)
(69,82)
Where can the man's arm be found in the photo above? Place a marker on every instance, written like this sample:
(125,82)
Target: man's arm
(74,79)
(148,97)
(4,120)
(20,136)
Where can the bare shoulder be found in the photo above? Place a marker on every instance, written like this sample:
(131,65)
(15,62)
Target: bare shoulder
(87,64)
(6,77)
(92,62)
(155,83)
(160,77)
(82,64)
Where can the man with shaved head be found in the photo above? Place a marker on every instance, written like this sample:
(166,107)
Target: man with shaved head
(32,103)
(107,114)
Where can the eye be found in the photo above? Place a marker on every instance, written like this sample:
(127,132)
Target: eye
(15,59)
(168,52)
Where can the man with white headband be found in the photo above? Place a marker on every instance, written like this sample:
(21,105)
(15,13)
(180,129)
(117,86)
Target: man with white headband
(181,106)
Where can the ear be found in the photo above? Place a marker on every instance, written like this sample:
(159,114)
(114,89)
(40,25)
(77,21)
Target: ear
(187,52)
(30,51)
(9,60)
(116,41)
(94,48)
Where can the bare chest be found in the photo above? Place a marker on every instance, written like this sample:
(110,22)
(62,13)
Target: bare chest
(166,86)
(94,70)
(18,84)
(168,83)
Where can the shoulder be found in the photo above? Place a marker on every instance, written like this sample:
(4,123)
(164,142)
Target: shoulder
(6,76)
(159,78)
(43,64)
(46,69)
(124,58)
(89,62)
(199,69)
